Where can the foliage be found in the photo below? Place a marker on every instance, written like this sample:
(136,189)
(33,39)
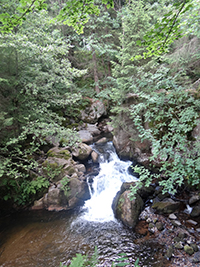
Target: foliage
(39,83)
(73,13)
(83,260)
(171,113)
(165,31)
(65,185)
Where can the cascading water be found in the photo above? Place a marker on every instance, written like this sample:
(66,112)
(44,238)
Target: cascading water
(113,172)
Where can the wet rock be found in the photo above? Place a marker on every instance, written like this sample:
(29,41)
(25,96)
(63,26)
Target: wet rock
(85,136)
(102,141)
(82,152)
(94,156)
(146,192)
(127,210)
(166,206)
(188,249)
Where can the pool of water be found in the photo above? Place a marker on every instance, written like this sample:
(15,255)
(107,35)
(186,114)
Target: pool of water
(41,238)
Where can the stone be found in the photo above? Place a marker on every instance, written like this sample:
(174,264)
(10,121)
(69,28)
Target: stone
(81,167)
(196,257)
(179,245)
(159,226)
(176,223)
(54,196)
(93,129)
(194,199)
(94,110)
(166,206)
(195,211)
(38,204)
(169,252)
(94,156)
(127,210)
(182,234)
(85,136)
(194,246)
(172,216)
(188,249)
(102,141)
(192,222)
(82,152)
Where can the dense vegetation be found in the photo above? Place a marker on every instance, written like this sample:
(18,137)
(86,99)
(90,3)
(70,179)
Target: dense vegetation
(126,47)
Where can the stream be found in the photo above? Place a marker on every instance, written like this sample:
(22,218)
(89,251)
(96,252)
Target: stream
(42,238)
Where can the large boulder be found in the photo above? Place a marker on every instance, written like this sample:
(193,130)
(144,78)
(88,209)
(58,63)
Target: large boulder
(127,141)
(95,110)
(82,152)
(65,195)
(125,209)
(85,136)
(68,186)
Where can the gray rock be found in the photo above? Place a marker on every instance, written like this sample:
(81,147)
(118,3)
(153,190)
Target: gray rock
(172,217)
(81,167)
(194,246)
(176,223)
(194,199)
(82,152)
(169,252)
(93,111)
(166,206)
(195,211)
(192,222)
(93,129)
(85,136)
(196,257)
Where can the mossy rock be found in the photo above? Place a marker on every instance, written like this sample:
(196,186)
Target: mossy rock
(70,170)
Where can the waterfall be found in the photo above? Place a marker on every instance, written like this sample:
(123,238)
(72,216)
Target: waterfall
(113,172)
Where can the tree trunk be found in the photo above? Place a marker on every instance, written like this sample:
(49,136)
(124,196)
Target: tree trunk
(96,78)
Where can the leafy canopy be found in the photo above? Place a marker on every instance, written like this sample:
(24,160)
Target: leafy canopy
(74,13)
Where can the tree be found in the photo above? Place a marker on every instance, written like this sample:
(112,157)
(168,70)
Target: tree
(36,84)
(73,13)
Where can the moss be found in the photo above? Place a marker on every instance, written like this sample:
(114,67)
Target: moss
(64,154)
(70,170)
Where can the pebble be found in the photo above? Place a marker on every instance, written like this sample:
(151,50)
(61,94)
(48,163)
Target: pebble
(192,222)
(176,223)
(189,250)
(172,216)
